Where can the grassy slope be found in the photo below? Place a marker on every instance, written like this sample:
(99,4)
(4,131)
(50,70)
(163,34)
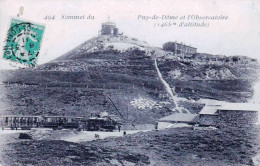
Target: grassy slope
(180,146)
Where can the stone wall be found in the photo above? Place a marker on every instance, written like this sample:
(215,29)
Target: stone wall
(208,120)
(230,118)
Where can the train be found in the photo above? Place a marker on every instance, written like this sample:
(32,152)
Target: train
(22,122)
(101,122)
(61,122)
(96,122)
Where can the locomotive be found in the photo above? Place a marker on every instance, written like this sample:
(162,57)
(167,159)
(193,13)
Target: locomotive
(101,121)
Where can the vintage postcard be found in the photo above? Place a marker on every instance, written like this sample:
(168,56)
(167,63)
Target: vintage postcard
(129,82)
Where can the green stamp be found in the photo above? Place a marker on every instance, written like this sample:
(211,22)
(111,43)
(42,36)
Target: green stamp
(23,42)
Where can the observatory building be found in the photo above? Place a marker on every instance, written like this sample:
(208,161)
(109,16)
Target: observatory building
(109,28)
(180,48)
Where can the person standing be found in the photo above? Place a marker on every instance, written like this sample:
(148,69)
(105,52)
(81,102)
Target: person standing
(119,127)
(156,125)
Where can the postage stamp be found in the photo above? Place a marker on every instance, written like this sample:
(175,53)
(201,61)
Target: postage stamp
(23,42)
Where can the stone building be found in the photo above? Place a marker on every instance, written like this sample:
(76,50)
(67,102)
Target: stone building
(179,48)
(229,115)
(109,28)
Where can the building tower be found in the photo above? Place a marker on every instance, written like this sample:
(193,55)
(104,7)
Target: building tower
(108,28)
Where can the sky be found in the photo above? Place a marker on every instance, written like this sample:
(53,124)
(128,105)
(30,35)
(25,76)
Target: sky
(238,35)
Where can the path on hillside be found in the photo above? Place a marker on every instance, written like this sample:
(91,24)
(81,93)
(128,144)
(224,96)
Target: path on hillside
(169,90)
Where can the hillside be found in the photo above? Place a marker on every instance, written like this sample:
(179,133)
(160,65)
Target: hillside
(175,146)
(144,82)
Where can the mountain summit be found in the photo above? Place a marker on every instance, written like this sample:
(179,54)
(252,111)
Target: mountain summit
(105,43)
(144,82)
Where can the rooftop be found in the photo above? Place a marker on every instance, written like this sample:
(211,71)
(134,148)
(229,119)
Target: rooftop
(109,23)
(212,109)
(182,44)
(19,116)
(179,117)
(241,107)
(61,117)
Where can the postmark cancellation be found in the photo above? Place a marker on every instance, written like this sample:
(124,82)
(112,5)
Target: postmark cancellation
(23,42)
